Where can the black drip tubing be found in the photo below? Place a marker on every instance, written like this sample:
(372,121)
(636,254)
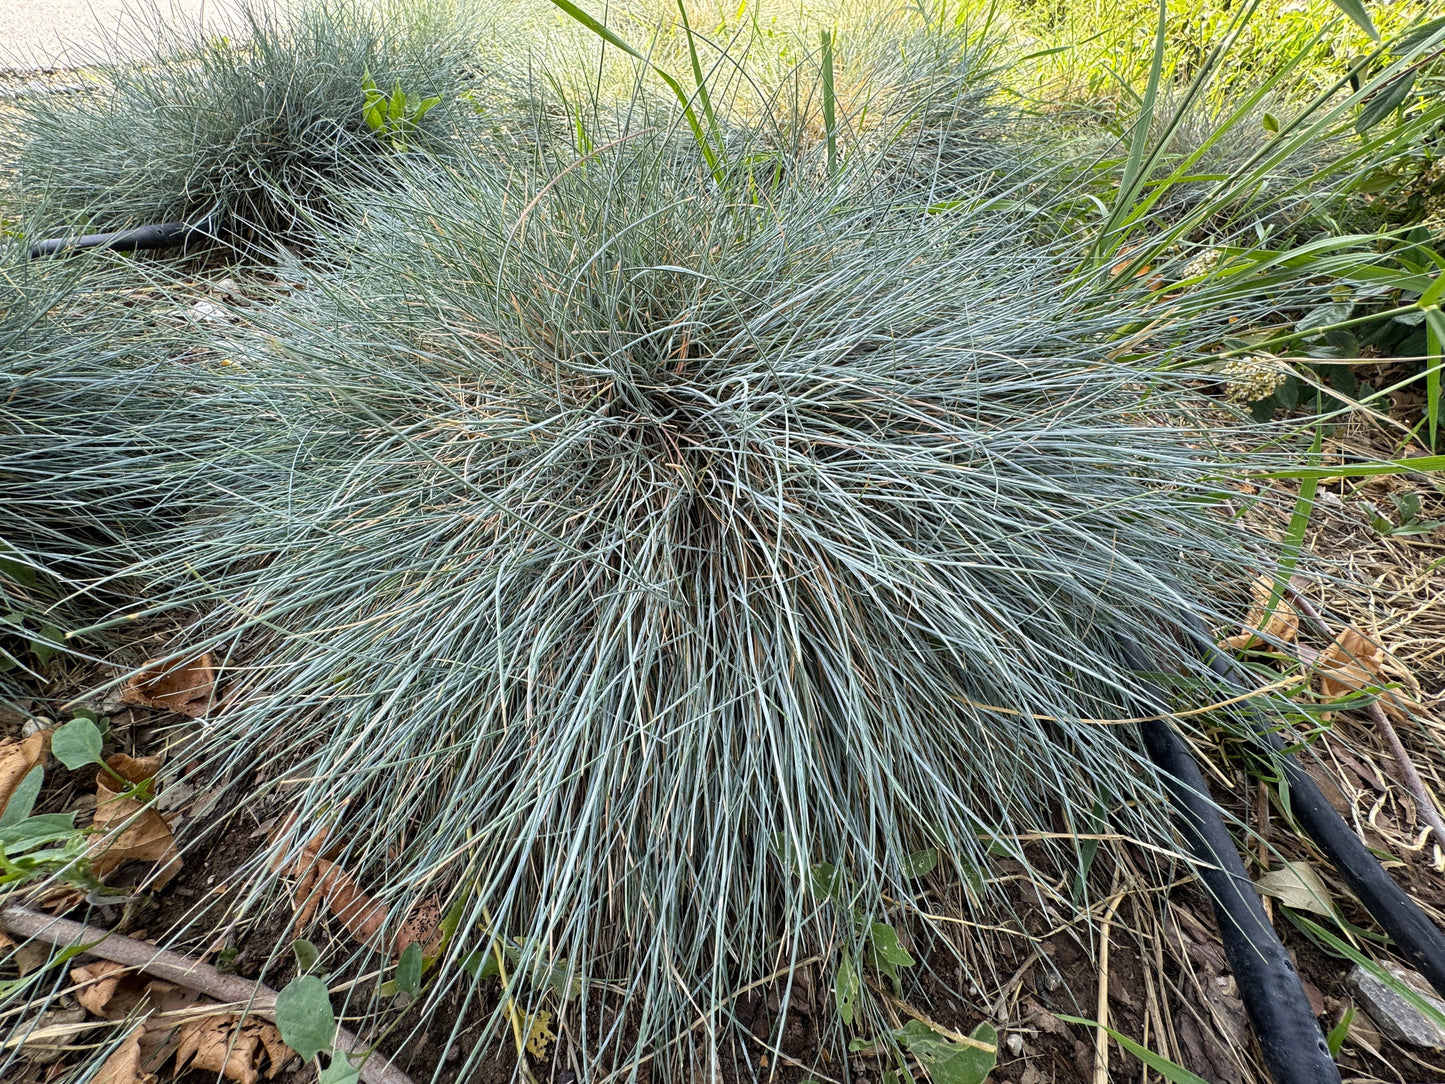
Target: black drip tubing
(159,235)
(1419,939)
(1289,1037)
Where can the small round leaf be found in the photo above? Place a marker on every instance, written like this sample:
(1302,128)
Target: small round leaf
(76,744)
(304,1016)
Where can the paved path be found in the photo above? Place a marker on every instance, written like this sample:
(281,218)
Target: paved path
(69,33)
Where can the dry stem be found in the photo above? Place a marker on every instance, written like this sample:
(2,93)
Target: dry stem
(184,971)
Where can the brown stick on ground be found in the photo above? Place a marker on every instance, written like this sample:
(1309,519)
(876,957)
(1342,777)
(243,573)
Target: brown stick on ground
(1424,804)
(182,970)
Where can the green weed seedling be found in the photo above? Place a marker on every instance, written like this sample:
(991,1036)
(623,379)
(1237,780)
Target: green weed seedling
(1406,520)
(958,1060)
(394,117)
(21,622)
(36,847)
(306,1021)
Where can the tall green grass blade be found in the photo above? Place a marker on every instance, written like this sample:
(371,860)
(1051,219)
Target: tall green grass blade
(1355,9)
(1425,464)
(700,137)
(1169,1070)
(830,122)
(700,83)
(1132,177)
(1349,952)
(1293,543)
(1434,359)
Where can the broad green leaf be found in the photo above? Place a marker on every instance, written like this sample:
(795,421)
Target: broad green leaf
(846,988)
(306,954)
(338,1071)
(408,970)
(304,1016)
(374,119)
(949,1062)
(425,107)
(43,647)
(1177,1074)
(31,832)
(22,798)
(885,954)
(1384,102)
(76,744)
(397,109)
(21,573)
(826,881)
(921,863)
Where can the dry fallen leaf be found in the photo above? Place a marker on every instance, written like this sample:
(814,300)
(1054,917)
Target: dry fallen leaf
(422,927)
(319,879)
(123,1066)
(539,1035)
(1281,626)
(325,881)
(96,984)
(1351,664)
(113,991)
(187,688)
(16,760)
(1297,885)
(216,1044)
(145,838)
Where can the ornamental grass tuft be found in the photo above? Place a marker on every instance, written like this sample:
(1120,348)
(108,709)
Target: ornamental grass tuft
(79,342)
(649,570)
(241,131)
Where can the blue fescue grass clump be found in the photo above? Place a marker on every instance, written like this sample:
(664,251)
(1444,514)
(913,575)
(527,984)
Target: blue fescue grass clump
(80,340)
(614,553)
(243,129)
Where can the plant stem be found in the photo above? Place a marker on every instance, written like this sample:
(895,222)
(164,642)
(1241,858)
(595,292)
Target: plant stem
(192,974)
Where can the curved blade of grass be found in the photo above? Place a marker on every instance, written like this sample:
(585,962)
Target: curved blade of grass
(700,137)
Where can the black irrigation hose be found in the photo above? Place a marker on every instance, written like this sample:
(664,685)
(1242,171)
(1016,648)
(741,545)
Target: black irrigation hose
(1289,1037)
(1408,926)
(159,235)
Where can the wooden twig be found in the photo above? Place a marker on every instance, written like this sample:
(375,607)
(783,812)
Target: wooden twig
(184,971)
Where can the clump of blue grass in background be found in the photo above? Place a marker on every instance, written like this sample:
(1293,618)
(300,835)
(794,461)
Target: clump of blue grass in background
(241,131)
(613,550)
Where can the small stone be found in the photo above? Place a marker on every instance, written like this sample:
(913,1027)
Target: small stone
(208,311)
(1391,1013)
(1015,1043)
(34,725)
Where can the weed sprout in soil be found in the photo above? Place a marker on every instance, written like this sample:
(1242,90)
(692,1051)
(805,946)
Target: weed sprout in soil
(612,551)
